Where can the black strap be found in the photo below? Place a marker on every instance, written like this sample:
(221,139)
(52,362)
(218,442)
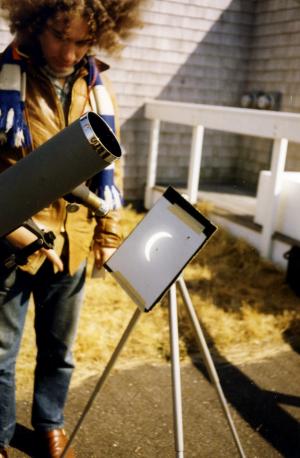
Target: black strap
(19,257)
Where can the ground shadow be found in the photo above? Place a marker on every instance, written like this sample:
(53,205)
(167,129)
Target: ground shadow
(292,335)
(24,440)
(260,408)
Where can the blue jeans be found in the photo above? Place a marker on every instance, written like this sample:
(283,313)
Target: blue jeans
(57,299)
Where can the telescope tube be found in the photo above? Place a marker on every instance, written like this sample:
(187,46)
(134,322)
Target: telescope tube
(75,154)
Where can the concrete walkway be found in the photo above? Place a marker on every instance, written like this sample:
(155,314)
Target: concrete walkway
(132,416)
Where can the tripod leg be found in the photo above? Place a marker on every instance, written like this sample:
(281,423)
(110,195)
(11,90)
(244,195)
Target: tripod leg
(208,361)
(176,382)
(103,377)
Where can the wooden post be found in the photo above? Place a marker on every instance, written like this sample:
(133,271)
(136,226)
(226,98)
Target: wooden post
(152,163)
(279,151)
(195,163)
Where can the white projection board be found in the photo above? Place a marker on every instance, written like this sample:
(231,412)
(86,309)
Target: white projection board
(154,254)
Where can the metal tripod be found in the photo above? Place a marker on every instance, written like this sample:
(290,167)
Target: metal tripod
(175,365)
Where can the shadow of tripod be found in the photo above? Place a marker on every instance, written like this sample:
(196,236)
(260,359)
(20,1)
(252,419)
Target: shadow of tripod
(175,365)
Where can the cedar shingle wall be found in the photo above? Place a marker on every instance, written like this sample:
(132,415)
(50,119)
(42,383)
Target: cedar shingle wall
(189,51)
(274,65)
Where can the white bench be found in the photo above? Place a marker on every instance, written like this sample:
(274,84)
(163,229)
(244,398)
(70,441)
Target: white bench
(288,212)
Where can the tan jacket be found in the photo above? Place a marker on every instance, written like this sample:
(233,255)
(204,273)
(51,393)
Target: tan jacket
(45,118)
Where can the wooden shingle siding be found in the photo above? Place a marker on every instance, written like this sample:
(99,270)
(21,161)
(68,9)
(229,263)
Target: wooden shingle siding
(274,65)
(190,51)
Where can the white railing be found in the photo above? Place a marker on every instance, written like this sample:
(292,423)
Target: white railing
(282,127)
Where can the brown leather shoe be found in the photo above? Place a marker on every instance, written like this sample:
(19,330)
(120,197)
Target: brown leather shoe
(3,453)
(54,442)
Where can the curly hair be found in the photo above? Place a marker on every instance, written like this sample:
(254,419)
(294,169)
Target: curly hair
(110,21)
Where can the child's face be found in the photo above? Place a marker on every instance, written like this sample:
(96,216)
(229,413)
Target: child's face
(65,43)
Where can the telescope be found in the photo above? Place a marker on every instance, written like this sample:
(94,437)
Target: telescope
(54,169)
